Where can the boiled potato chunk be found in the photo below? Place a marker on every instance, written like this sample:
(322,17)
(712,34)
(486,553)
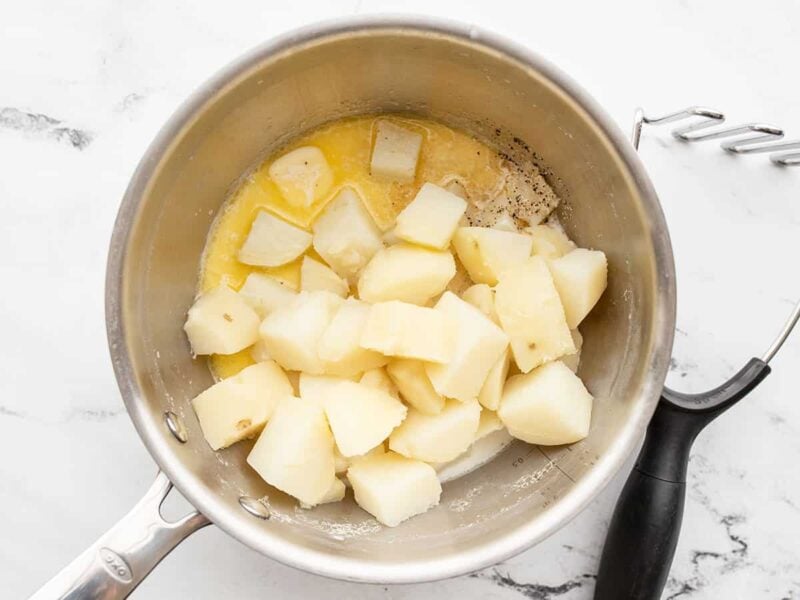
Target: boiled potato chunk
(530,311)
(580,279)
(221,322)
(485,252)
(379,379)
(343,462)
(407,273)
(505,222)
(340,345)
(393,488)
(265,294)
(316,388)
(360,416)
(315,277)
(431,218)
(489,423)
(481,296)
(237,408)
(573,360)
(492,389)
(334,494)
(292,333)
(409,331)
(273,242)
(294,453)
(478,344)
(322,389)
(549,241)
(258,352)
(302,175)
(411,379)
(345,235)
(437,438)
(395,153)
(548,406)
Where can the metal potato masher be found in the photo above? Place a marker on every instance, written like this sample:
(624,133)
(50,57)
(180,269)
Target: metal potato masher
(644,529)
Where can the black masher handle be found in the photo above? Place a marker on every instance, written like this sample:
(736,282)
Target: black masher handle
(646,523)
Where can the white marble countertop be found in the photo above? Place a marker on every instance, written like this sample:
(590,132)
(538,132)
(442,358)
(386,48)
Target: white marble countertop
(85,87)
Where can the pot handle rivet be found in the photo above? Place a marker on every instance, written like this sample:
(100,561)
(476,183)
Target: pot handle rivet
(176,426)
(255,507)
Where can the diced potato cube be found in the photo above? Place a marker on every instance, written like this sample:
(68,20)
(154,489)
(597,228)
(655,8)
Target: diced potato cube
(259,353)
(437,438)
(407,273)
(492,389)
(315,388)
(379,379)
(485,252)
(489,423)
(292,333)
(481,296)
(343,462)
(273,242)
(548,406)
(345,235)
(409,331)
(395,153)
(287,275)
(580,278)
(478,345)
(265,294)
(431,218)
(302,175)
(393,488)
(315,277)
(360,416)
(221,322)
(295,451)
(505,222)
(573,360)
(237,408)
(549,241)
(530,311)
(334,494)
(340,345)
(320,388)
(412,381)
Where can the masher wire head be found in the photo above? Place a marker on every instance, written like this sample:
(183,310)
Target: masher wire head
(749,138)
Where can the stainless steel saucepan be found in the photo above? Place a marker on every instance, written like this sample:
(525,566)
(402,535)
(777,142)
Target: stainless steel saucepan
(500,92)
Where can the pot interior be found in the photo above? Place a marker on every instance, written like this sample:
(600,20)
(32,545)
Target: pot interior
(514,103)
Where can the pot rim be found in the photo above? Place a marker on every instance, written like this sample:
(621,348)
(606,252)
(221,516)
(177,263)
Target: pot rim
(458,563)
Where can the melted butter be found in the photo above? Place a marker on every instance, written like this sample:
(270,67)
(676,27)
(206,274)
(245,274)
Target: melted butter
(447,154)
